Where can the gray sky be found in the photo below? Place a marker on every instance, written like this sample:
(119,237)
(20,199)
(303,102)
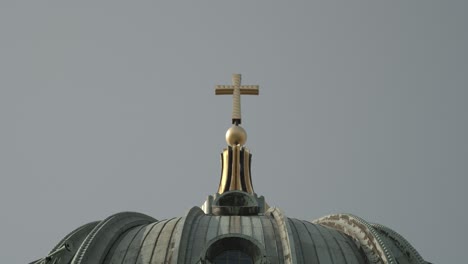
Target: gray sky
(108,106)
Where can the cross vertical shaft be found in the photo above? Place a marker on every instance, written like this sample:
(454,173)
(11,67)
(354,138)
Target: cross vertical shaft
(236,104)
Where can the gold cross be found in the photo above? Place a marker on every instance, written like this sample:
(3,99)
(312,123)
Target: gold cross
(236,89)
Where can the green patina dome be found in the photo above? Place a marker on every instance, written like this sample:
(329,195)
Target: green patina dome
(198,237)
(233,226)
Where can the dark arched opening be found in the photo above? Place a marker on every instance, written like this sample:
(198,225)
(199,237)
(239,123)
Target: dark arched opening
(233,250)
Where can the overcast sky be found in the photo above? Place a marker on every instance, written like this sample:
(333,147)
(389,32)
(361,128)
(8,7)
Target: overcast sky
(109,106)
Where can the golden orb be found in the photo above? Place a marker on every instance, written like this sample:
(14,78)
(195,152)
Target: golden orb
(236,135)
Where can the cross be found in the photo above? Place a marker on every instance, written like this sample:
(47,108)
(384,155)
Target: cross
(236,89)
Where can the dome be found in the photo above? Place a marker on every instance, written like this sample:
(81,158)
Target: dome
(235,225)
(198,237)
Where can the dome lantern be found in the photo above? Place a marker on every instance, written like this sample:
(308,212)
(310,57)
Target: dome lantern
(235,194)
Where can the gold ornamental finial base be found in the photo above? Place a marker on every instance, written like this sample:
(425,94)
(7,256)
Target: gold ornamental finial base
(235,160)
(235,170)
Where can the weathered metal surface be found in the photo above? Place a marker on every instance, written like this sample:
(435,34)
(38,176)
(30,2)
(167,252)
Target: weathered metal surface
(399,241)
(288,247)
(64,251)
(135,238)
(363,233)
(202,230)
(319,244)
(97,243)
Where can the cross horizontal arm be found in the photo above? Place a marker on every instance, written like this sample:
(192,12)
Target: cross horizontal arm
(229,89)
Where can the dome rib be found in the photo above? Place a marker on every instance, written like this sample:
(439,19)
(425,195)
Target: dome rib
(401,243)
(150,243)
(200,231)
(121,249)
(341,240)
(297,243)
(257,233)
(66,249)
(161,252)
(351,249)
(146,231)
(362,232)
(271,248)
(187,231)
(331,240)
(278,246)
(101,238)
(306,238)
(195,247)
(171,244)
(318,244)
(289,250)
(84,229)
(314,256)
